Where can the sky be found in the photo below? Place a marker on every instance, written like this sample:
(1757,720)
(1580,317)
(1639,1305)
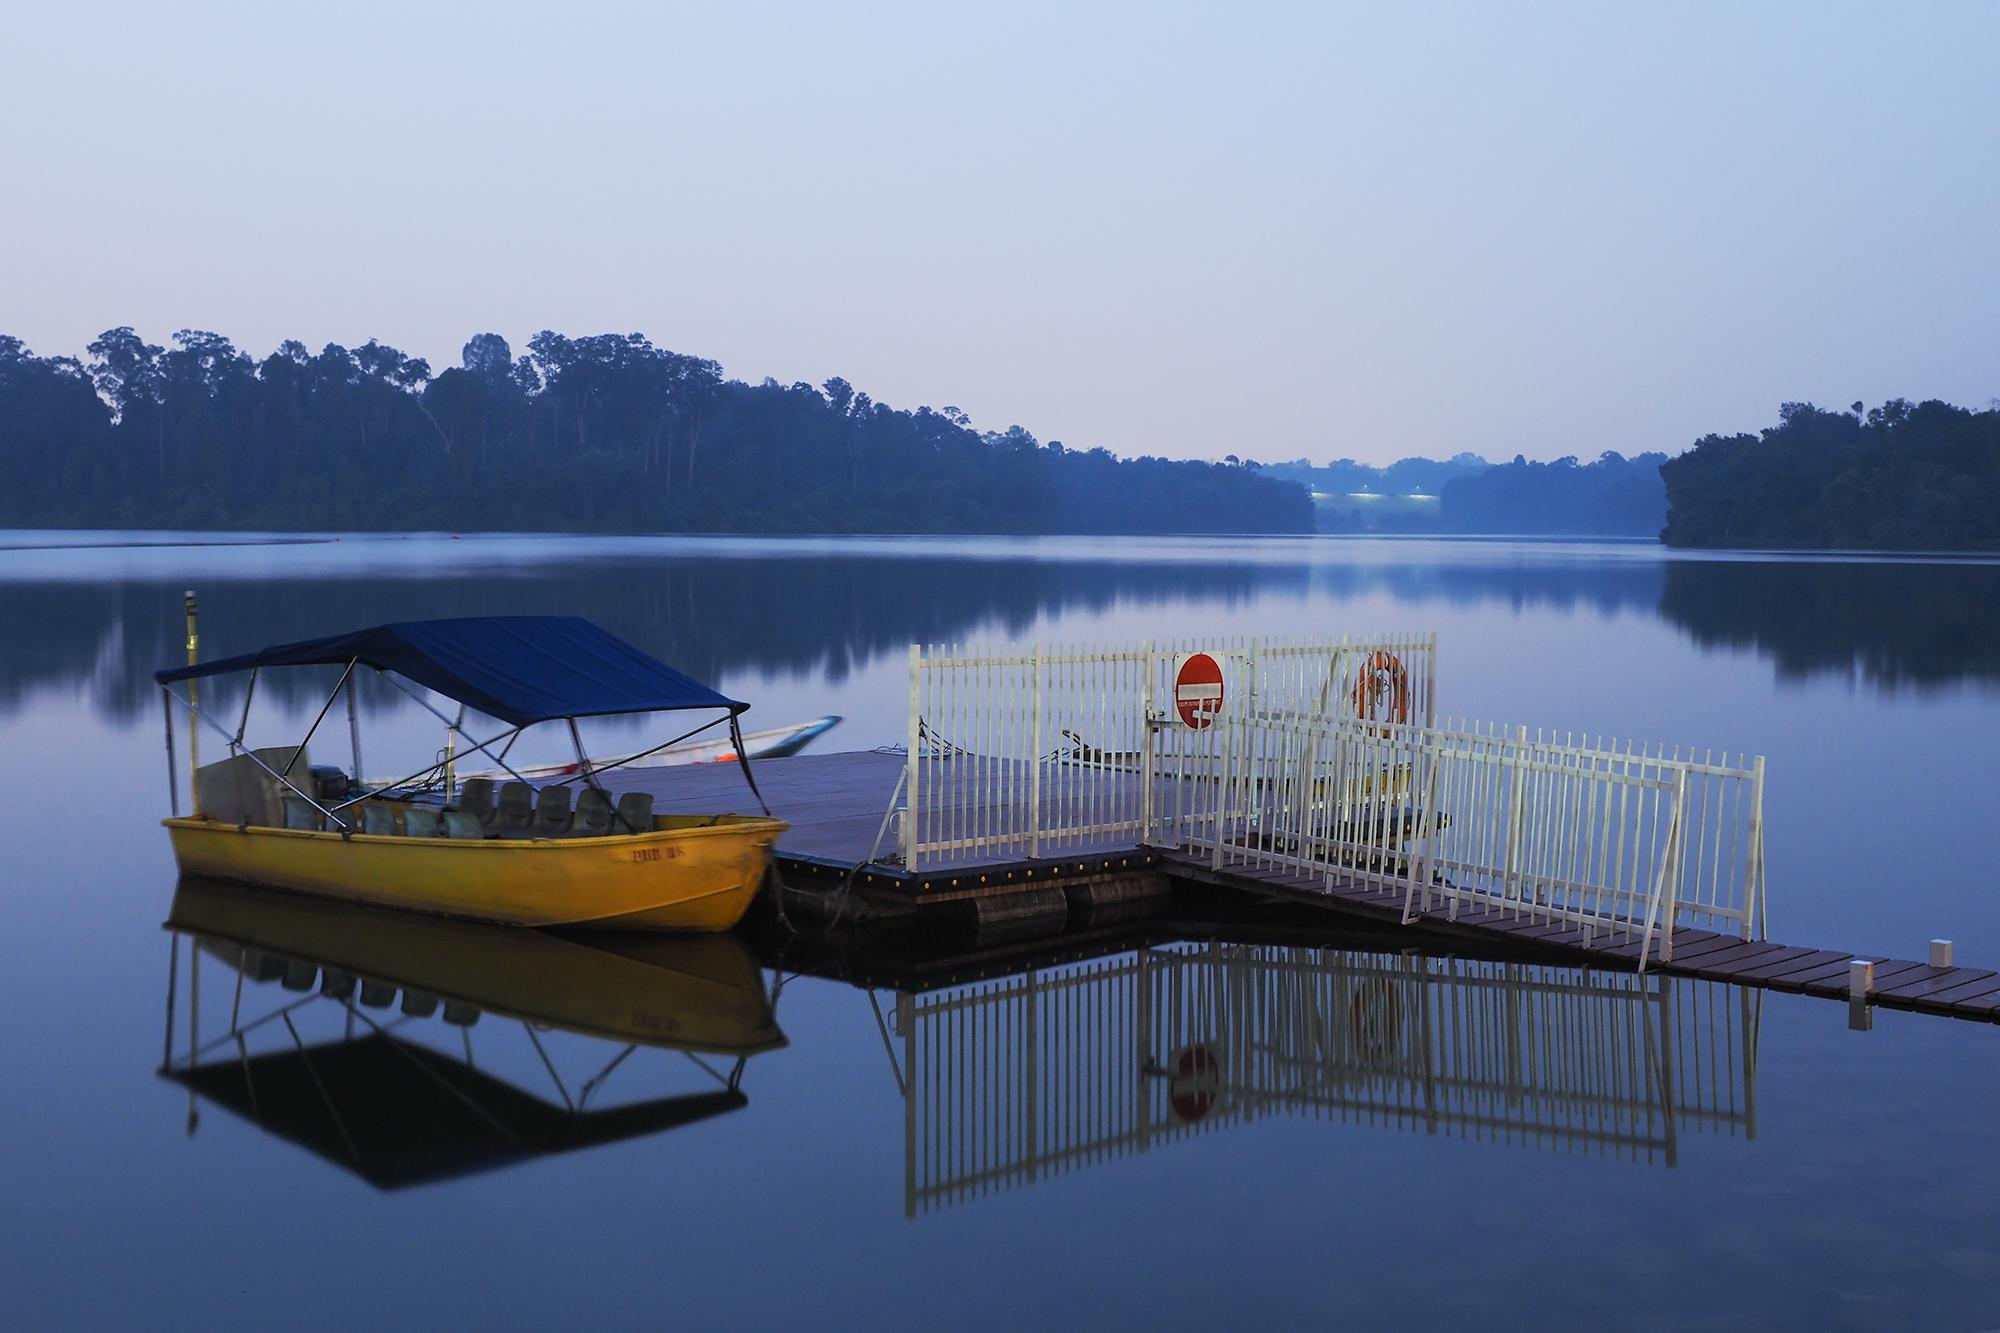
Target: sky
(1315,231)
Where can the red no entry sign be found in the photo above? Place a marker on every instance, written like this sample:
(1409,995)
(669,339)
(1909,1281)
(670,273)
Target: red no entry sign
(1198,690)
(1197,1078)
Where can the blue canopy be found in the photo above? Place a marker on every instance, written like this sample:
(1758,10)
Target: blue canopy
(520,669)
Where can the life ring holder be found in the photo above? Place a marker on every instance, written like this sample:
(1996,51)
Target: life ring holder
(1369,688)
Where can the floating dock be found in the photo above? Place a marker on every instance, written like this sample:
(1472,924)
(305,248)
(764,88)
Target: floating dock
(837,848)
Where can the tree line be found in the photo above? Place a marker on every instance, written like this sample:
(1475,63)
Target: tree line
(602,433)
(1902,476)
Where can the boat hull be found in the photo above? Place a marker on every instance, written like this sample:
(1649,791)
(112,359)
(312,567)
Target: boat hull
(688,874)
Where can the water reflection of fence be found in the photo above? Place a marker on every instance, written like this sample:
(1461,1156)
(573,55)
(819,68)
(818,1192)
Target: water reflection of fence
(1044,1073)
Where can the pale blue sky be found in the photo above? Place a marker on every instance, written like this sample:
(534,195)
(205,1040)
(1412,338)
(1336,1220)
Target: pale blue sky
(1268,230)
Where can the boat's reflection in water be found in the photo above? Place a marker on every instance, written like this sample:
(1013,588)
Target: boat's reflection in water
(409,1049)
(1010,1080)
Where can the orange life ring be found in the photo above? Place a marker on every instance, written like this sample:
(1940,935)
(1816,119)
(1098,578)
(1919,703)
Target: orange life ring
(1369,687)
(1374,1020)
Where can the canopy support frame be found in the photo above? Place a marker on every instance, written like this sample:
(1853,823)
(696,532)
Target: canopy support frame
(222,731)
(426,704)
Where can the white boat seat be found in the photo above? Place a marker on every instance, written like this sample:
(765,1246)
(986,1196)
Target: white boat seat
(475,798)
(299,814)
(552,817)
(593,814)
(420,823)
(463,824)
(635,813)
(378,820)
(515,814)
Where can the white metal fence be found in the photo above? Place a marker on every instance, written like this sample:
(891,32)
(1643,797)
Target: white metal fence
(1059,747)
(1560,828)
(1324,756)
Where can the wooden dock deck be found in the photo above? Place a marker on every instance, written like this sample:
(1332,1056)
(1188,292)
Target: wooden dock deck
(836,804)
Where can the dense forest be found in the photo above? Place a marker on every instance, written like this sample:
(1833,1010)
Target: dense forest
(1902,476)
(602,433)
(1614,496)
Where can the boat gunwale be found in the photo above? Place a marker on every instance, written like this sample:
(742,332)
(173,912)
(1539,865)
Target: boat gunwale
(738,824)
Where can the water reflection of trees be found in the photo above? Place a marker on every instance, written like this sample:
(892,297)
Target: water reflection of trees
(1010,1081)
(829,612)
(825,615)
(1890,625)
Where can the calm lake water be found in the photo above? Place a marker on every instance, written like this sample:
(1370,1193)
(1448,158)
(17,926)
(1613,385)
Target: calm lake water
(1387,1139)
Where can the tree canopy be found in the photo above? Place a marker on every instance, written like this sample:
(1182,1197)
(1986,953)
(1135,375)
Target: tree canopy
(600,433)
(1901,476)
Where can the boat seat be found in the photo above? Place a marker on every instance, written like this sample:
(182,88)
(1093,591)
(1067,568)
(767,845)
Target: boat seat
(419,1005)
(593,814)
(635,812)
(299,814)
(378,820)
(552,817)
(515,813)
(336,984)
(463,824)
(260,966)
(377,994)
(299,975)
(459,1014)
(419,823)
(475,798)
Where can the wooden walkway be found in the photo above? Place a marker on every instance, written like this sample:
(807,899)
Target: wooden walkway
(835,803)
(1962,992)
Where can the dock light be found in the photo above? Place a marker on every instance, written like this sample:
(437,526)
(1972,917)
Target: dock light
(1940,953)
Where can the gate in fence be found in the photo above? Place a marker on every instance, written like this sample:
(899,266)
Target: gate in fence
(1037,1075)
(1323,757)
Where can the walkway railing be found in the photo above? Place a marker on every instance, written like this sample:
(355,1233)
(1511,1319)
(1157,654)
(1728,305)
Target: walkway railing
(1600,834)
(1041,751)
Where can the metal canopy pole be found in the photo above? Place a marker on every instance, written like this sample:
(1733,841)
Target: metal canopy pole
(410,777)
(243,722)
(314,728)
(173,778)
(353,723)
(220,730)
(583,768)
(500,759)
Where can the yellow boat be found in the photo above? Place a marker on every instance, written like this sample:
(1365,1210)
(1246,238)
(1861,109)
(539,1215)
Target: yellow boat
(526,859)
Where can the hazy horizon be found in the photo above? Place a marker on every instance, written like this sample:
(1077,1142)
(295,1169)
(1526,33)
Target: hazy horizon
(1294,232)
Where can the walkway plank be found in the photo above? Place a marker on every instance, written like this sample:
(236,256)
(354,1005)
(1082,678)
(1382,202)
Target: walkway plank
(1813,960)
(1972,990)
(1951,979)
